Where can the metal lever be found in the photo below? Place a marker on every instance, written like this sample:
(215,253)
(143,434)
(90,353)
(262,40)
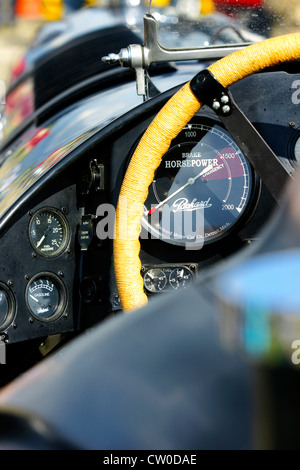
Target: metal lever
(140,57)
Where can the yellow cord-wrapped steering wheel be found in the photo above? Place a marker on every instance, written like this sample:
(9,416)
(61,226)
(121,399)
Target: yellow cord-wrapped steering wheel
(177,112)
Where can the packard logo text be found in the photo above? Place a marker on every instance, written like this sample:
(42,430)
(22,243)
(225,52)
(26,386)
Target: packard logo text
(182,204)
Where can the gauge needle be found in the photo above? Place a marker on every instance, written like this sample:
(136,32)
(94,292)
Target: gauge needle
(189,181)
(40,241)
(33,298)
(43,237)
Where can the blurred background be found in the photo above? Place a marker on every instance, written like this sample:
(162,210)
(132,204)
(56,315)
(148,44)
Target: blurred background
(21,19)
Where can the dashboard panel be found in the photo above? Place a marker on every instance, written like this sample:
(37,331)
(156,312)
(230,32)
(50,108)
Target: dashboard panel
(41,286)
(56,271)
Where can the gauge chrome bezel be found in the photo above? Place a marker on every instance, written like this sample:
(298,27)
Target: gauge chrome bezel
(66,235)
(62,296)
(11,307)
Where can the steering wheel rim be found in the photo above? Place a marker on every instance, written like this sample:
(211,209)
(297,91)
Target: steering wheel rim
(176,114)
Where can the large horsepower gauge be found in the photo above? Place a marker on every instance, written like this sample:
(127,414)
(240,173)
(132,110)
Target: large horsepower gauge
(201,189)
(48,232)
(46,297)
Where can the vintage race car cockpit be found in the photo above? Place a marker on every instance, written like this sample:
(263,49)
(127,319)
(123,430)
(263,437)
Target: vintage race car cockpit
(149,231)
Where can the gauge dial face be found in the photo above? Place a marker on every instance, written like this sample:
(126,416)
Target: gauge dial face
(201,188)
(46,297)
(180,278)
(48,232)
(155,280)
(6,307)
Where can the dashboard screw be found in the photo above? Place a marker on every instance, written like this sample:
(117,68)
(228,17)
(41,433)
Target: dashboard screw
(27,277)
(224,99)
(226,109)
(10,283)
(31,320)
(292,124)
(60,273)
(15,325)
(64,209)
(30,213)
(34,255)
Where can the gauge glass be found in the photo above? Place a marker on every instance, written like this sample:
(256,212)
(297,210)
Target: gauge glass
(45,297)
(155,280)
(201,188)
(180,278)
(48,232)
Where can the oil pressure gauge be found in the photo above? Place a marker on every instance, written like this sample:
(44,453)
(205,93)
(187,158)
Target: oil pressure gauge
(46,297)
(48,232)
(155,280)
(180,278)
(166,278)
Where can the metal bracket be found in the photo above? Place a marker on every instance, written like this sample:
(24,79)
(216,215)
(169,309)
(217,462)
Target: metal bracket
(140,57)
(265,162)
(208,90)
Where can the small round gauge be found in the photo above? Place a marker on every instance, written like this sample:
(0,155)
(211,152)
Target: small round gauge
(46,296)
(48,232)
(180,278)
(155,280)
(201,189)
(6,306)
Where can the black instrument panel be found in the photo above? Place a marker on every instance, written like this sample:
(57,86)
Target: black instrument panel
(41,286)
(56,271)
